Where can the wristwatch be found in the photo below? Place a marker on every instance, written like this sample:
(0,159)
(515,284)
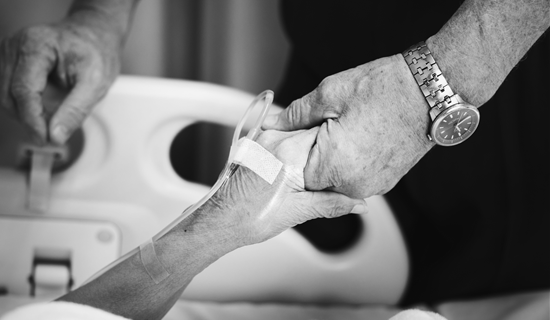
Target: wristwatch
(453,119)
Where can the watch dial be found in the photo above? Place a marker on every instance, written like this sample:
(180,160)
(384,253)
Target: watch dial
(455,124)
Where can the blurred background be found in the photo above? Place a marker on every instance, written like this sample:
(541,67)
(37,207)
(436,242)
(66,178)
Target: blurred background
(238,43)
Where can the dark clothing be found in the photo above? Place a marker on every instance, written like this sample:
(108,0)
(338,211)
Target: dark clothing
(480,225)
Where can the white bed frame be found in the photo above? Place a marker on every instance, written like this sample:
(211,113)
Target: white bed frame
(123,189)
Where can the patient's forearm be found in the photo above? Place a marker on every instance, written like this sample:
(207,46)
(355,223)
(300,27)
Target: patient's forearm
(484,40)
(129,291)
(221,225)
(245,210)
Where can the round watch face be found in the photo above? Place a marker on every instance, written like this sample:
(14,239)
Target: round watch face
(455,124)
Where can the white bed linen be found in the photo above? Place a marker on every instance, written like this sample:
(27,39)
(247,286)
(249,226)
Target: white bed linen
(194,310)
(532,306)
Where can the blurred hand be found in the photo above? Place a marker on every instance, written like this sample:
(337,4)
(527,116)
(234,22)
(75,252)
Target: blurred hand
(373,122)
(254,210)
(81,58)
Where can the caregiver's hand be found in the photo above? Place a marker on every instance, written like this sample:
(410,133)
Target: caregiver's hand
(80,55)
(254,211)
(373,120)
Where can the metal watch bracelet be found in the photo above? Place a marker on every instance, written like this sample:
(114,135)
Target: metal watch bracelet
(429,78)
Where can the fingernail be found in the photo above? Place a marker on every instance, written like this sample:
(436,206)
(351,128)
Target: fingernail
(360,209)
(59,134)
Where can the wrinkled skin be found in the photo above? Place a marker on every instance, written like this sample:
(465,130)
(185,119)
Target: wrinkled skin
(251,210)
(373,122)
(81,60)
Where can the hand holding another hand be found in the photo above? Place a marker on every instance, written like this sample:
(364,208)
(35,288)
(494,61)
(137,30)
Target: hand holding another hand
(252,210)
(373,122)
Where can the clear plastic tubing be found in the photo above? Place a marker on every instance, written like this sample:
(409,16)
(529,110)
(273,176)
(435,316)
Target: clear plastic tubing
(267,98)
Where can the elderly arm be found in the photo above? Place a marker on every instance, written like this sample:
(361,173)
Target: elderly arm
(374,116)
(478,47)
(244,211)
(79,55)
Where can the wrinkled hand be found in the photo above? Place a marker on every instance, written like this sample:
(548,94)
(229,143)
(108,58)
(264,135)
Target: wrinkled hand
(373,121)
(256,211)
(81,59)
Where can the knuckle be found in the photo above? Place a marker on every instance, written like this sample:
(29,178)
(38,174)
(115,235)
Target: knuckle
(327,84)
(328,88)
(76,115)
(71,118)
(32,40)
(295,112)
(19,90)
(329,96)
(335,209)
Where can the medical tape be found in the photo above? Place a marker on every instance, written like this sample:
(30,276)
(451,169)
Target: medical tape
(250,154)
(151,262)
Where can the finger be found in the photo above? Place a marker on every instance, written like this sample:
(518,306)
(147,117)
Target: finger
(326,204)
(291,147)
(296,149)
(299,115)
(318,172)
(76,107)
(28,81)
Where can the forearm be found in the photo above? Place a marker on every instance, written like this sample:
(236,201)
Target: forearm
(113,17)
(129,291)
(245,210)
(483,41)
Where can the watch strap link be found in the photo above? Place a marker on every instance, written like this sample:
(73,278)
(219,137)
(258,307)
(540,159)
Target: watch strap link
(429,78)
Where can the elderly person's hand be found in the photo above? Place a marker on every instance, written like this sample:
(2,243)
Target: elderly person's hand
(254,210)
(374,117)
(79,55)
(373,121)
(244,211)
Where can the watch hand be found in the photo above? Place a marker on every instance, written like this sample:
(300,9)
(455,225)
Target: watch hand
(460,122)
(455,127)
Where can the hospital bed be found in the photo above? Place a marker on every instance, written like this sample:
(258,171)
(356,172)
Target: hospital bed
(120,188)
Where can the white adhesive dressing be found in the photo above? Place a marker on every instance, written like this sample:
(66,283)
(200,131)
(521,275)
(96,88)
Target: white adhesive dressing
(250,154)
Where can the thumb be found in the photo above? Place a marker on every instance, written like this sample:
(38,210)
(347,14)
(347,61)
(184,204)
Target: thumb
(327,204)
(300,114)
(73,111)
